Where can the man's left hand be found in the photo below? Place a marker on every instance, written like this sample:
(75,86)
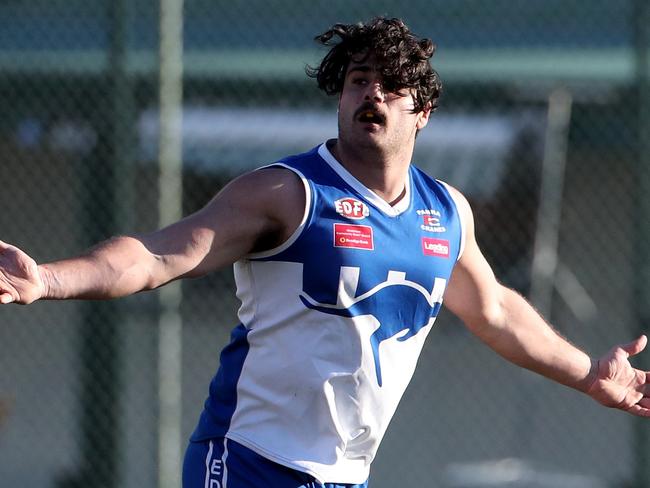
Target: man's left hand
(619,385)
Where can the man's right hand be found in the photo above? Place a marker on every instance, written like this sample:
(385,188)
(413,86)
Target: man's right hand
(20,279)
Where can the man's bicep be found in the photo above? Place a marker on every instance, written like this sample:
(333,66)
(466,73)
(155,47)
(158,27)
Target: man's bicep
(258,206)
(473,293)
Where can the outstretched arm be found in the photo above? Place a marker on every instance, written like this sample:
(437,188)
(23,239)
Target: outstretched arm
(507,323)
(254,212)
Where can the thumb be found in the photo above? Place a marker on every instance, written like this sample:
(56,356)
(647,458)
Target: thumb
(636,346)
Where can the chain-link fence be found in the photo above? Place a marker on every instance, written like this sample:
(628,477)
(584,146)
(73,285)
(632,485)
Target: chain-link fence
(543,124)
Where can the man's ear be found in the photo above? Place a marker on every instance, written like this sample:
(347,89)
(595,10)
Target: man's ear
(423,117)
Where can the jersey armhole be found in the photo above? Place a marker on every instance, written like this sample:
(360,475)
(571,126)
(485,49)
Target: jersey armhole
(461,217)
(303,222)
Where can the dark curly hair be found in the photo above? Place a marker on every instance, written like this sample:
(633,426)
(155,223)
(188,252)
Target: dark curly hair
(402,59)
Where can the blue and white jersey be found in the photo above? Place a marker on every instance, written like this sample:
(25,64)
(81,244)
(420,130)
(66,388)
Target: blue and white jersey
(333,322)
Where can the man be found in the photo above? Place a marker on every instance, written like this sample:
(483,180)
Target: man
(342,257)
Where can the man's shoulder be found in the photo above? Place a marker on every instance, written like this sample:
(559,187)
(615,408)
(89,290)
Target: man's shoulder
(313,165)
(296,160)
(428,180)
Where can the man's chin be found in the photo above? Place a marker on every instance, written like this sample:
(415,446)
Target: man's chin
(372,134)
(370,140)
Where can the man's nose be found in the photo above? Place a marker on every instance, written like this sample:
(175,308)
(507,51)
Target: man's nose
(375,92)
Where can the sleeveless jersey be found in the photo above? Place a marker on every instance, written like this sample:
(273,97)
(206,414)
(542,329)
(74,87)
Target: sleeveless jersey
(333,321)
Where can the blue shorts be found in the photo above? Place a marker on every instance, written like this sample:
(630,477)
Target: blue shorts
(222,463)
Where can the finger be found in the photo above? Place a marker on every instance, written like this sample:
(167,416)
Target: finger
(639,411)
(644,402)
(6,298)
(636,346)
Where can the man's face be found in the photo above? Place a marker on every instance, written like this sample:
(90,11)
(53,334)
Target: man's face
(370,117)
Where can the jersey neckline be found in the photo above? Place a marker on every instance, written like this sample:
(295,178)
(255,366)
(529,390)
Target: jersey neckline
(391,210)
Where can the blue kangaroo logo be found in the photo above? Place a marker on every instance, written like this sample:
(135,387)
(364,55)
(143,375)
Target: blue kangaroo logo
(386,303)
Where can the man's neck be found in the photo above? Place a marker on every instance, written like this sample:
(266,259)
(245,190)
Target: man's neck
(385,175)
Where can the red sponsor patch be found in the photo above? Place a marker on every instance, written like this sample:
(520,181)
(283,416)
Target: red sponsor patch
(435,247)
(431,220)
(351,208)
(353,236)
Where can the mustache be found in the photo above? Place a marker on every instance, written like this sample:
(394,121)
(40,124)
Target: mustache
(369,107)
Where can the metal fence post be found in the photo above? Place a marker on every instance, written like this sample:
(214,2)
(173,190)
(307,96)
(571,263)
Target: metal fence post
(642,222)
(106,197)
(170,186)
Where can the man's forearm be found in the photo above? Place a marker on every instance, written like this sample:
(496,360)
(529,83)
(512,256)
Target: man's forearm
(522,336)
(118,267)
